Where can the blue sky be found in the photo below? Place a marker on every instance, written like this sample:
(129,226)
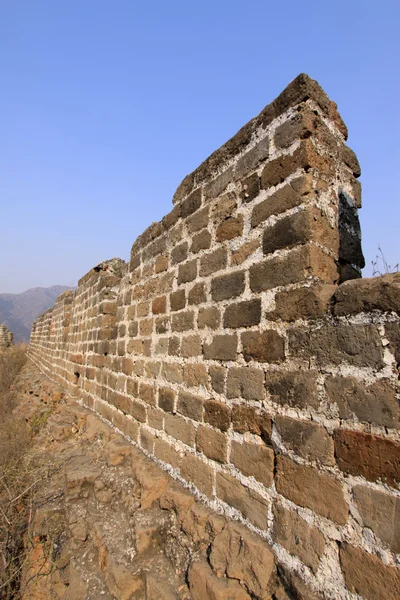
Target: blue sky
(106,106)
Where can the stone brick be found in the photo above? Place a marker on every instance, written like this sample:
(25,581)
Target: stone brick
(167,453)
(267,346)
(147,393)
(219,184)
(217,414)
(201,241)
(285,198)
(180,429)
(250,188)
(293,533)
(161,264)
(212,443)
(253,420)
(138,411)
(252,158)
(366,575)
(247,501)
(195,375)
(174,346)
(294,586)
(190,406)
(380,512)
(172,372)
(358,345)
(147,440)
(243,314)
(198,220)
(179,253)
(222,347)
(239,554)
(155,418)
(308,440)
(205,585)
(308,487)
(146,327)
(392,332)
(376,403)
(230,229)
(182,321)
(209,317)
(254,460)
(304,157)
(162,324)
(132,387)
(228,286)
(166,399)
(303,303)
(159,305)
(363,295)
(191,203)
(142,309)
(194,470)
(197,294)
(224,208)
(243,253)
(177,300)
(296,266)
(217,375)
(245,383)
(187,272)
(191,346)
(296,389)
(370,456)
(213,262)
(126,366)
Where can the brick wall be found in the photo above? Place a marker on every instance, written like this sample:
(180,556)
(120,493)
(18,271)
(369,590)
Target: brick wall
(240,350)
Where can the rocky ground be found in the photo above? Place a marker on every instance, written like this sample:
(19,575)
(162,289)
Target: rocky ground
(107,523)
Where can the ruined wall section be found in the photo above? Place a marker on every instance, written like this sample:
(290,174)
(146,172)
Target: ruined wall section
(228,352)
(6,338)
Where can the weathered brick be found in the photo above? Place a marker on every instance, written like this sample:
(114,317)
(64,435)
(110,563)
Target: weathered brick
(159,305)
(190,406)
(201,241)
(197,294)
(142,309)
(250,188)
(191,204)
(217,414)
(191,346)
(243,253)
(132,387)
(370,456)
(296,389)
(376,403)
(267,346)
(213,262)
(198,220)
(146,326)
(228,286)
(179,253)
(166,399)
(251,419)
(187,272)
(358,345)
(293,533)
(161,264)
(303,303)
(174,346)
(177,300)
(212,443)
(245,500)
(308,487)
(204,584)
(172,372)
(138,411)
(182,321)
(217,375)
(147,439)
(147,393)
(367,576)
(194,470)
(167,453)
(252,158)
(243,314)
(245,383)
(308,440)
(209,317)
(195,375)
(180,429)
(222,347)
(229,229)
(155,418)
(380,512)
(297,265)
(254,460)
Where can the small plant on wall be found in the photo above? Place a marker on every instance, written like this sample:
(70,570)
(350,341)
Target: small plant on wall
(380,265)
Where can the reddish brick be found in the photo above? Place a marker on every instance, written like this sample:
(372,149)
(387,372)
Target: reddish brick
(267,346)
(230,229)
(159,305)
(217,414)
(212,443)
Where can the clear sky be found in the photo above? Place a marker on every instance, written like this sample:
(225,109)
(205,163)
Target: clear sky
(106,105)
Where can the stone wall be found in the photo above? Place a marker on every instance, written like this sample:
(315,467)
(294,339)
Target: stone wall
(6,338)
(241,351)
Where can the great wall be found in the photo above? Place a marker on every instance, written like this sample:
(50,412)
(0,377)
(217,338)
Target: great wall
(242,353)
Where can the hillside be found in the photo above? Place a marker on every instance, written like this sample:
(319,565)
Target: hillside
(18,311)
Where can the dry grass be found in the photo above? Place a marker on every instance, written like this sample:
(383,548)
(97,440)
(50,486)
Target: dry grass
(16,478)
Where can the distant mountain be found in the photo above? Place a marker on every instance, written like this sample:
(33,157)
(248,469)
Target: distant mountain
(18,311)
